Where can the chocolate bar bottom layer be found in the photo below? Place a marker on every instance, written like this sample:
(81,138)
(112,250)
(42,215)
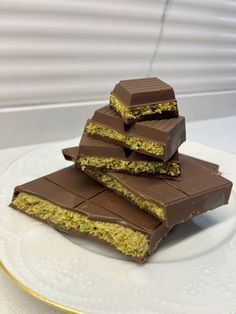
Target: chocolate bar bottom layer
(130,141)
(126,240)
(171,201)
(121,189)
(138,113)
(70,201)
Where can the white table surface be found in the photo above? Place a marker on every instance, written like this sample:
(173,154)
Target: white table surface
(217,133)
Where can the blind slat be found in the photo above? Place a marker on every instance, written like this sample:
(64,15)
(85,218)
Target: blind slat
(197,49)
(60,50)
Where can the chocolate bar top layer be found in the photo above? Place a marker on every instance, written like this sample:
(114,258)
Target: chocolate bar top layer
(173,201)
(72,189)
(142,91)
(169,133)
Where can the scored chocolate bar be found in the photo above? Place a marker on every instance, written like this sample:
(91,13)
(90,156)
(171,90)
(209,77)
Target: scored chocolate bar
(94,154)
(158,138)
(143,99)
(172,201)
(72,202)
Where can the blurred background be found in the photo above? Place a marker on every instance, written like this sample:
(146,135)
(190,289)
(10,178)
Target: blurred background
(60,59)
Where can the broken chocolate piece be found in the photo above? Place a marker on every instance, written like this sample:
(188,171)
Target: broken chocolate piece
(96,154)
(70,153)
(72,202)
(143,99)
(157,138)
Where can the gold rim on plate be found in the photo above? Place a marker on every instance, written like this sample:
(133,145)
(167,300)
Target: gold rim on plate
(36,294)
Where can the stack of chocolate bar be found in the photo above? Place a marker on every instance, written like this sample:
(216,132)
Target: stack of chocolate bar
(129,186)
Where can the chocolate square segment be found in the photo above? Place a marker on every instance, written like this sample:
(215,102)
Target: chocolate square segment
(144,99)
(143,91)
(90,146)
(68,180)
(50,191)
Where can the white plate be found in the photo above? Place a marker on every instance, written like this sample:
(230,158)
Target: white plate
(193,272)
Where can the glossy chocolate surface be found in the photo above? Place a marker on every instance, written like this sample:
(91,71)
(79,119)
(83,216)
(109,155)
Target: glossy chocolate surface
(143,91)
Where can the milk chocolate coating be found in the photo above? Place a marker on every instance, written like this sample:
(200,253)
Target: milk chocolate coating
(170,133)
(93,147)
(197,190)
(205,164)
(70,153)
(143,91)
(72,189)
(90,146)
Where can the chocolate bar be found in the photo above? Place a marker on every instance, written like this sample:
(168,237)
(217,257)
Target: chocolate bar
(172,201)
(157,138)
(144,99)
(94,154)
(70,201)
(70,153)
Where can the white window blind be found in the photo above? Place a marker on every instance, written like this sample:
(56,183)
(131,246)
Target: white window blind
(74,50)
(197,52)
